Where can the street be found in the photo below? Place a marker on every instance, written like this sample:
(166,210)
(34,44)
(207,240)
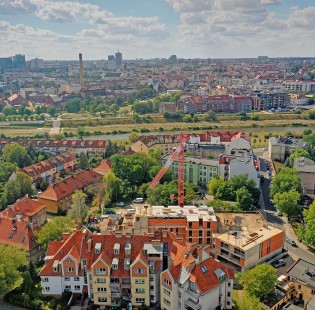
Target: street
(269,212)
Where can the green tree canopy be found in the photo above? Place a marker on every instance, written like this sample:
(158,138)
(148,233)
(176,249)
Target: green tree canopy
(259,282)
(83,161)
(286,179)
(210,116)
(298,153)
(6,169)
(113,188)
(15,153)
(244,199)
(288,202)
(12,258)
(73,105)
(308,231)
(54,229)
(79,209)
(214,184)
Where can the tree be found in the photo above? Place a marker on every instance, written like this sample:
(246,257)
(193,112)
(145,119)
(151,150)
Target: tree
(17,188)
(214,184)
(73,106)
(54,229)
(51,111)
(133,136)
(12,258)
(244,199)
(308,231)
(187,118)
(259,282)
(78,210)
(246,302)
(112,187)
(288,202)
(298,153)
(80,132)
(15,153)
(243,116)
(155,154)
(6,169)
(210,116)
(286,179)
(83,161)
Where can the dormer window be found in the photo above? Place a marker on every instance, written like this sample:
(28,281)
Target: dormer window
(116,248)
(128,249)
(98,248)
(55,266)
(115,263)
(127,263)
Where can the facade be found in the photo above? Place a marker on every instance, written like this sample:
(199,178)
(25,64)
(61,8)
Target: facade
(306,170)
(17,101)
(18,223)
(264,100)
(189,223)
(169,107)
(195,280)
(118,59)
(281,147)
(245,249)
(197,171)
(47,170)
(54,147)
(58,196)
(299,86)
(297,100)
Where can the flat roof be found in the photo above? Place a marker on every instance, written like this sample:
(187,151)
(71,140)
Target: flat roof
(245,240)
(304,271)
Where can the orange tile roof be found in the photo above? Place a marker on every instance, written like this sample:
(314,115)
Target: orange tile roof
(68,186)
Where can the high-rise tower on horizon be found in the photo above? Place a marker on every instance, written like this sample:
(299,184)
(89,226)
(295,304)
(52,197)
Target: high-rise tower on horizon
(118,58)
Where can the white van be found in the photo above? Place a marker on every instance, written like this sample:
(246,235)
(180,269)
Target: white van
(138,200)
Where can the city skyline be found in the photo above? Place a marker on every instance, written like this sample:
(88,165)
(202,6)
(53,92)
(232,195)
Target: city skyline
(149,28)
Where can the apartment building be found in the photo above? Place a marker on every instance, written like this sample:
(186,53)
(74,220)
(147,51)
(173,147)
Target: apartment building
(299,86)
(195,280)
(54,147)
(197,171)
(279,148)
(18,223)
(306,170)
(47,170)
(264,100)
(58,196)
(247,248)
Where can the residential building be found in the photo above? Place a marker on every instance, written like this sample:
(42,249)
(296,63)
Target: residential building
(302,275)
(17,101)
(169,107)
(299,86)
(189,223)
(104,167)
(306,170)
(197,171)
(47,170)
(18,223)
(58,196)
(54,147)
(266,100)
(195,280)
(108,268)
(246,240)
(281,147)
(298,99)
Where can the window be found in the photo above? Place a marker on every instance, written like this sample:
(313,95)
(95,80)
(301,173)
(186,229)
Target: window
(190,225)
(166,301)
(208,233)
(115,266)
(67,287)
(46,288)
(299,287)
(190,240)
(44,279)
(140,290)
(140,300)
(151,287)
(200,233)
(76,279)
(77,287)
(229,284)
(100,270)
(168,282)
(139,271)
(177,230)
(101,289)
(70,269)
(55,269)
(208,241)
(190,233)
(208,224)
(102,299)
(100,280)
(152,297)
(166,291)
(69,261)
(228,303)
(67,278)
(228,294)
(139,281)
(200,240)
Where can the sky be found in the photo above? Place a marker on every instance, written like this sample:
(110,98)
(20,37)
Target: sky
(54,29)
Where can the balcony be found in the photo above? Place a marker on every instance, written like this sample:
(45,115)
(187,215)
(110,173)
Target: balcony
(114,285)
(115,294)
(192,304)
(192,294)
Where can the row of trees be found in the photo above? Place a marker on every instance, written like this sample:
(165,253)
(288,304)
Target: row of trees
(286,191)
(239,188)
(307,231)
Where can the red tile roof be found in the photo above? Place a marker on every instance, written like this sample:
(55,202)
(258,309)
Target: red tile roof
(69,185)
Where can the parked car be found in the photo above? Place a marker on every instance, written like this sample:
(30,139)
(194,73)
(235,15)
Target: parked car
(120,204)
(279,263)
(138,200)
(292,242)
(110,212)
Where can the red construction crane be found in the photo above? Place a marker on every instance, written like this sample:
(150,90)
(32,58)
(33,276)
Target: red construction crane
(179,154)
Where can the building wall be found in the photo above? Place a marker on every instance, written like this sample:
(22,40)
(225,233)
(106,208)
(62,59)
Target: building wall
(168,292)
(308,182)
(138,147)
(276,152)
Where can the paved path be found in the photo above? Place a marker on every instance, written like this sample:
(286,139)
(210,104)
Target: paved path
(55,127)
(7,306)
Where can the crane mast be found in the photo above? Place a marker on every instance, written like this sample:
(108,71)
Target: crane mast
(179,155)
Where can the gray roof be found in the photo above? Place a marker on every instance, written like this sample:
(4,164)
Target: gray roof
(303,270)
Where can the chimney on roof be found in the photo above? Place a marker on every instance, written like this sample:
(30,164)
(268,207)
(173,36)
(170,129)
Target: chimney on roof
(200,254)
(81,71)
(89,243)
(65,236)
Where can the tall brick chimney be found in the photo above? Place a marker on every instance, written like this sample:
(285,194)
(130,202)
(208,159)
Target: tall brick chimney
(81,71)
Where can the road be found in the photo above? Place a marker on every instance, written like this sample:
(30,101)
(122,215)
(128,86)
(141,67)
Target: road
(270,214)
